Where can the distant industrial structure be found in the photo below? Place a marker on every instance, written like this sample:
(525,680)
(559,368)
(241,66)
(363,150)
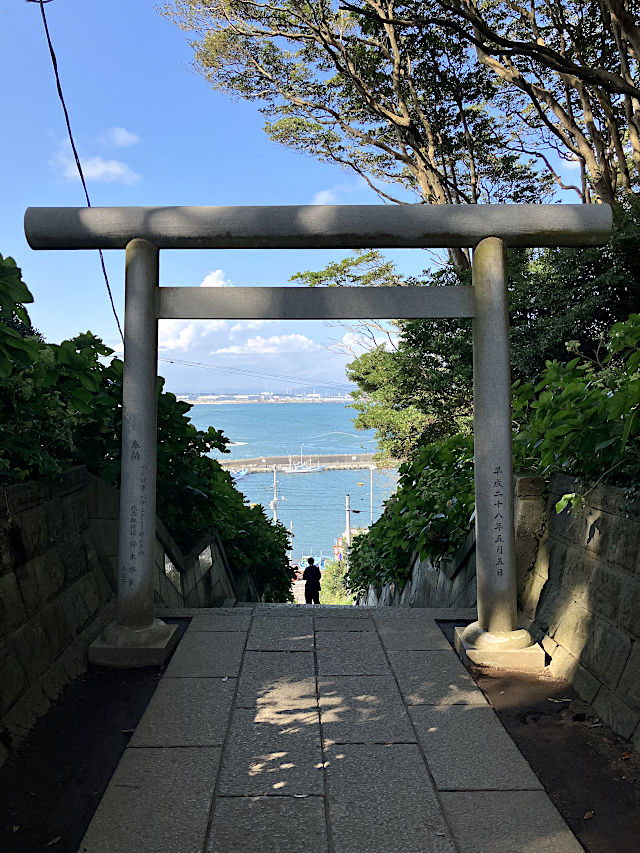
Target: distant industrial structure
(262,397)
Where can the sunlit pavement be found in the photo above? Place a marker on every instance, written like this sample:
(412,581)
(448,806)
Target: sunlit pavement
(314,729)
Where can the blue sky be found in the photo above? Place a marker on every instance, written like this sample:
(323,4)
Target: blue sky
(151,131)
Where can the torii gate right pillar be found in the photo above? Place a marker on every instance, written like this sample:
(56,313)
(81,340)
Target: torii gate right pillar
(494,640)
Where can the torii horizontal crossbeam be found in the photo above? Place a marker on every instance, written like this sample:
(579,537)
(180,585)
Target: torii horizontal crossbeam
(311,303)
(318,226)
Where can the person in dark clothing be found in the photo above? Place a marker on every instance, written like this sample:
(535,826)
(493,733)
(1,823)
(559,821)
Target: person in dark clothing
(312,587)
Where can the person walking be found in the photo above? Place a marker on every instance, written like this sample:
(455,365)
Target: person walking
(312,587)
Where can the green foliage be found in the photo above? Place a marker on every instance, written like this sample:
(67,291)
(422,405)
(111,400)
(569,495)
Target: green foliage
(61,405)
(583,417)
(421,391)
(561,295)
(363,268)
(46,405)
(429,513)
(14,319)
(334,590)
(397,105)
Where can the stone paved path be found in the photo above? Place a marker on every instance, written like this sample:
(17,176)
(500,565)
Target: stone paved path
(322,730)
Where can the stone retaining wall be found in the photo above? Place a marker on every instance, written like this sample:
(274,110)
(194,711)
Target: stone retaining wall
(581,594)
(58,571)
(579,591)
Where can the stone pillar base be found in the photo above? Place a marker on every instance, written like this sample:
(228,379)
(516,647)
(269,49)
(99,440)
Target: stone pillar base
(128,648)
(509,650)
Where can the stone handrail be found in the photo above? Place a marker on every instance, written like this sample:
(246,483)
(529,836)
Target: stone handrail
(204,568)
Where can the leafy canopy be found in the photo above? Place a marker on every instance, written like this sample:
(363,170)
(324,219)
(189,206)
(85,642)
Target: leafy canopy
(582,418)
(61,405)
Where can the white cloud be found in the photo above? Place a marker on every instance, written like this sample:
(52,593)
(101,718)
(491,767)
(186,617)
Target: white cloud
(332,194)
(325,197)
(217,278)
(95,169)
(182,335)
(246,325)
(351,340)
(118,137)
(99,169)
(175,334)
(276,344)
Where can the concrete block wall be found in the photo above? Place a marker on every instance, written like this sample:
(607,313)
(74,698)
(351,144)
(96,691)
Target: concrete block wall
(581,599)
(451,583)
(58,581)
(579,591)
(54,596)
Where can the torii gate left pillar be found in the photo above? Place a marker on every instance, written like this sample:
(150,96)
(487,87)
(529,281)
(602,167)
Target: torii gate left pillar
(136,638)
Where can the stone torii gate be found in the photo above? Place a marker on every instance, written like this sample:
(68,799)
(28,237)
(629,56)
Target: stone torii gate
(136,638)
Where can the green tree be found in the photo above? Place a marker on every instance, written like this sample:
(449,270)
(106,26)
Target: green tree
(568,73)
(582,418)
(61,405)
(429,515)
(375,97)
(15,324)
(334,590)
(452,100)
(419,389)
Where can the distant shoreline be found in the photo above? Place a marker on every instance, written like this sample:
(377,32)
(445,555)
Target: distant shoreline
(198,401)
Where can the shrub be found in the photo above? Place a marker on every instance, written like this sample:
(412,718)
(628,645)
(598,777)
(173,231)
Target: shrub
(61,405)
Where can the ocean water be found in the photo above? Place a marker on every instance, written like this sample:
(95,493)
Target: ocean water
(314,505)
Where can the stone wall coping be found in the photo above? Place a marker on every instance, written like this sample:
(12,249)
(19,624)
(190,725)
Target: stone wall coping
(604,497)
(452,566)
(184,562)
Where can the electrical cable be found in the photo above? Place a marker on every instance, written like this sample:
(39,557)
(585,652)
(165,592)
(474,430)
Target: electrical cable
(54,62)
(297,380)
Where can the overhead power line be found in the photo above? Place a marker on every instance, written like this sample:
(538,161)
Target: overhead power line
(54,61)
(272,377)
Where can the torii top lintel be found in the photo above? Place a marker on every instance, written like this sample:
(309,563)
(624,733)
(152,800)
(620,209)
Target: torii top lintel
(318,226)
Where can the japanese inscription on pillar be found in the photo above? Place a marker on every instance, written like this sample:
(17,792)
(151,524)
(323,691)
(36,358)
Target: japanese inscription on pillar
(498,519)
(137,511)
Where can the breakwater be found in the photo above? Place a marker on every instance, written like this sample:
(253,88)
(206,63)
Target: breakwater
(334,461)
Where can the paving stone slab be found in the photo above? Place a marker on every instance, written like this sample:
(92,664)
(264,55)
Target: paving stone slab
(158,800)
(418,635)
(229,620)
(283,610)
(363,709)
(350,653)
(434,678)
(403,613)
(342,612)
(381,800)
(344,623)
(266,758)
(207,654)
(186,712)
(277,680)
(507,821)
(281,634)
(250,824)
(180,612)
(468,749)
